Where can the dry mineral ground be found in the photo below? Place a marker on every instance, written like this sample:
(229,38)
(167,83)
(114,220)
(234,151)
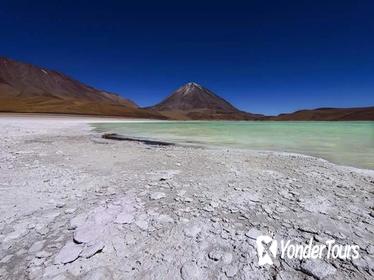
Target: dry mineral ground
(76,206)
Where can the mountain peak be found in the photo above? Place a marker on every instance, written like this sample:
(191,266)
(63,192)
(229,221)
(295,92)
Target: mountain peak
(193,84)
(193,96)
(190,88)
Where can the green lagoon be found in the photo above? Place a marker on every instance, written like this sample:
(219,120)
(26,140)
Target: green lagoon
(344,143)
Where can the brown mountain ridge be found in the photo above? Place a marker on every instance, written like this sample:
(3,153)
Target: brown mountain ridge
(329,114)
(25,88)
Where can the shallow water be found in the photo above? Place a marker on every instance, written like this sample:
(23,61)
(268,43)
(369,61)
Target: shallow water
(345,143)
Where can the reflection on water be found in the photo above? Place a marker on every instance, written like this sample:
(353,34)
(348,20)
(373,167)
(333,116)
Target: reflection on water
(346,143)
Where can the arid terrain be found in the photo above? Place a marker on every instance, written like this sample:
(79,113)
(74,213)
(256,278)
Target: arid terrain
(76,206)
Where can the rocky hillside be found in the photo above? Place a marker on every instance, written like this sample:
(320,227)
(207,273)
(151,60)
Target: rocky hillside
(329,114)
(28,88)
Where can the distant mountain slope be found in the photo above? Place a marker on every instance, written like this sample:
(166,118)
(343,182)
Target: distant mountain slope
(27,88)
(192,101)
(329,114)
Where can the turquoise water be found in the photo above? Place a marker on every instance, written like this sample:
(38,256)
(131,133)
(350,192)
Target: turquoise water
(345,143)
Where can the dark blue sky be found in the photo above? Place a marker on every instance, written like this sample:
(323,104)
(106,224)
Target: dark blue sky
(263,56)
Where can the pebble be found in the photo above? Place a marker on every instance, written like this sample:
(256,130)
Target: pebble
(227,258)
(87,233)
(215,255)
(31,226)
(208,209)
(190,271)
(370,249)
(318,268)
(60,205)
(69,253)
(214,204)
(91,250)
(230,270)
(124,218)
(37,246)
(192,231)
(70,210)
(157,195)
(253,233)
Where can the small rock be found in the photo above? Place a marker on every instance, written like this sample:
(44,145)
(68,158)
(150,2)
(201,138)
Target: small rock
(318,268)
(91,250)
(157,195)
(69,253)
(60,205)
(87,233)
(190,271)
(227,258)
(31,226)
(70,210)
(192,231)
(290,275)
(215,255)
(37,246)
(230,270)
(124,218)
(370,249)
(208,209)
(253,233)
(214,204)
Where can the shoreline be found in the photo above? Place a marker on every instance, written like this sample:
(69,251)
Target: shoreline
(120,137)
(91,120)
(73,204)
(120,118)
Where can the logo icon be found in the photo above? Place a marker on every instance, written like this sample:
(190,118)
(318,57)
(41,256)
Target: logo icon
(266,249)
